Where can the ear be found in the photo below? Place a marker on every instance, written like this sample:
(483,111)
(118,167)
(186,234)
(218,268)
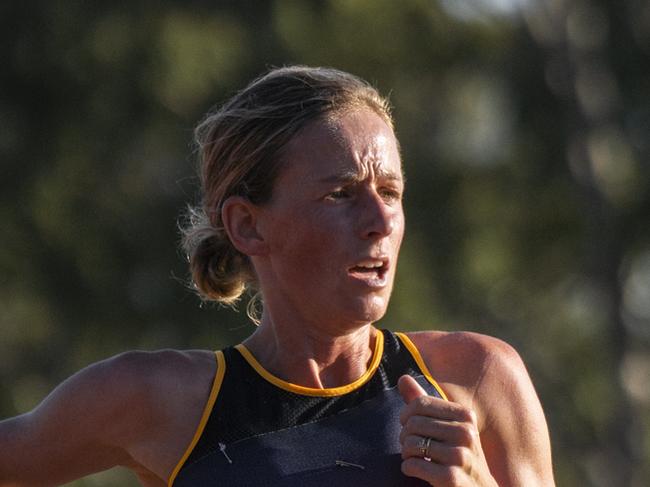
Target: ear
(239,218)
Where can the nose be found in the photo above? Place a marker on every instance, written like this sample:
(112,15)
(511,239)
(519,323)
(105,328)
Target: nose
(376,217)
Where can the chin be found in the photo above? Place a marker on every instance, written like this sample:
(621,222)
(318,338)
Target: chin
(371,310)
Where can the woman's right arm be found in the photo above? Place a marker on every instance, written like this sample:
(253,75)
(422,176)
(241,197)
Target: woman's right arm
(84,426)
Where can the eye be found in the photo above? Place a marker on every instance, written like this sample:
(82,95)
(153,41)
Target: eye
(390,194)
(338,194)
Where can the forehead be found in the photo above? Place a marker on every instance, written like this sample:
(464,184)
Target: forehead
(359,142)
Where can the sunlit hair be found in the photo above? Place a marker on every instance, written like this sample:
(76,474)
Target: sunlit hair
(240,148)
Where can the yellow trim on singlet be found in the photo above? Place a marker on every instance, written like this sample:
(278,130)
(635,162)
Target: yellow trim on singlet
(418,359)
(216,385)
(313,391)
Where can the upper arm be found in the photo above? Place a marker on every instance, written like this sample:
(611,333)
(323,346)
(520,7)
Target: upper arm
(78,429)
(514,435)
(487,375)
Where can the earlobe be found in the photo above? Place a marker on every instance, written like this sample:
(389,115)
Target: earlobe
(239,218)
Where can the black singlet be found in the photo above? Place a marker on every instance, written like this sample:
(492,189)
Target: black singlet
(258,430)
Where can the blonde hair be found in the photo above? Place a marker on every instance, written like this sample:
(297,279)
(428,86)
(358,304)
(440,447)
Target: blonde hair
(240,148)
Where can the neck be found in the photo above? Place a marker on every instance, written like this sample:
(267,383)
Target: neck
(313,357)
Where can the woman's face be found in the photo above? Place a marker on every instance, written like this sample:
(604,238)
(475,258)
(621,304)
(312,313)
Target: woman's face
(335,222)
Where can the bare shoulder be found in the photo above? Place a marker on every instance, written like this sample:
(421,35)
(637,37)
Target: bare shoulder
(155,375)
(463,360)
(487,375)
(479,371)
(139,381)
(166,392)
(137,409)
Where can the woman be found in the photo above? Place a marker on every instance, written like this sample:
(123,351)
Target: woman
(302,202)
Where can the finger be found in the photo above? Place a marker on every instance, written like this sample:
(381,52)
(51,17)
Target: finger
(438,452)
(431,472)
(412,447)
(437,408)
(451,432)
(409,389)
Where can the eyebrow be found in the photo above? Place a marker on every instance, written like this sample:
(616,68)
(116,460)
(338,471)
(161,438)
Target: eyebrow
(355,177)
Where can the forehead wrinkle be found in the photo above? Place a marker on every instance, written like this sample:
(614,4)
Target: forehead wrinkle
(373,160)
(353,176)
(369,164)
(370,155)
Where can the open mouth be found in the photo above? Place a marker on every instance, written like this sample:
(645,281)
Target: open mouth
(372,271)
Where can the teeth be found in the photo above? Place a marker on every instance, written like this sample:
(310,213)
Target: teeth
(371,265)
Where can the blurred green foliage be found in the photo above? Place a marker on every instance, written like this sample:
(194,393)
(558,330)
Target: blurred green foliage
(526,140)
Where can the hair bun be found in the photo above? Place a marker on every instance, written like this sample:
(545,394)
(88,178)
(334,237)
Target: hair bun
(240,146)
(219,271)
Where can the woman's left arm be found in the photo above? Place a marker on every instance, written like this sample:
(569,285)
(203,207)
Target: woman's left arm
(495,435)
(515,436)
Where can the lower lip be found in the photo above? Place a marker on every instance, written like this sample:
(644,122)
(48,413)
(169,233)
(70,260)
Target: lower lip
(375,280)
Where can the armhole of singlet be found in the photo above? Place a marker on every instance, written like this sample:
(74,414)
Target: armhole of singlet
(410,346)
(207,410)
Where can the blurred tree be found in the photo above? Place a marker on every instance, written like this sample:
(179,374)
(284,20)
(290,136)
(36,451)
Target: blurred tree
(593,53)
(524,128)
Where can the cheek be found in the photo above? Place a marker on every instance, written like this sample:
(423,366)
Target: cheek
(398,231)
(299,236)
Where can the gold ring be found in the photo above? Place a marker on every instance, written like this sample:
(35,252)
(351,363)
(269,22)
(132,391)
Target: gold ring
(424,448)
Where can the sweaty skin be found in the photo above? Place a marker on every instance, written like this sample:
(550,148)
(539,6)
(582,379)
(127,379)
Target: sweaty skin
(335,214)
(325,250)
(493,430)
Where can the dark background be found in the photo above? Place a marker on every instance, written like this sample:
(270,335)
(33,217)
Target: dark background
(525,129)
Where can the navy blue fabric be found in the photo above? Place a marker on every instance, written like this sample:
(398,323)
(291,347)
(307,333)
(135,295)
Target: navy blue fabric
(306,455)
(313,448)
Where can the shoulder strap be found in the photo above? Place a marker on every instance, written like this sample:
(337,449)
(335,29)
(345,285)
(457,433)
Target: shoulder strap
(410,346)
(207,410)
